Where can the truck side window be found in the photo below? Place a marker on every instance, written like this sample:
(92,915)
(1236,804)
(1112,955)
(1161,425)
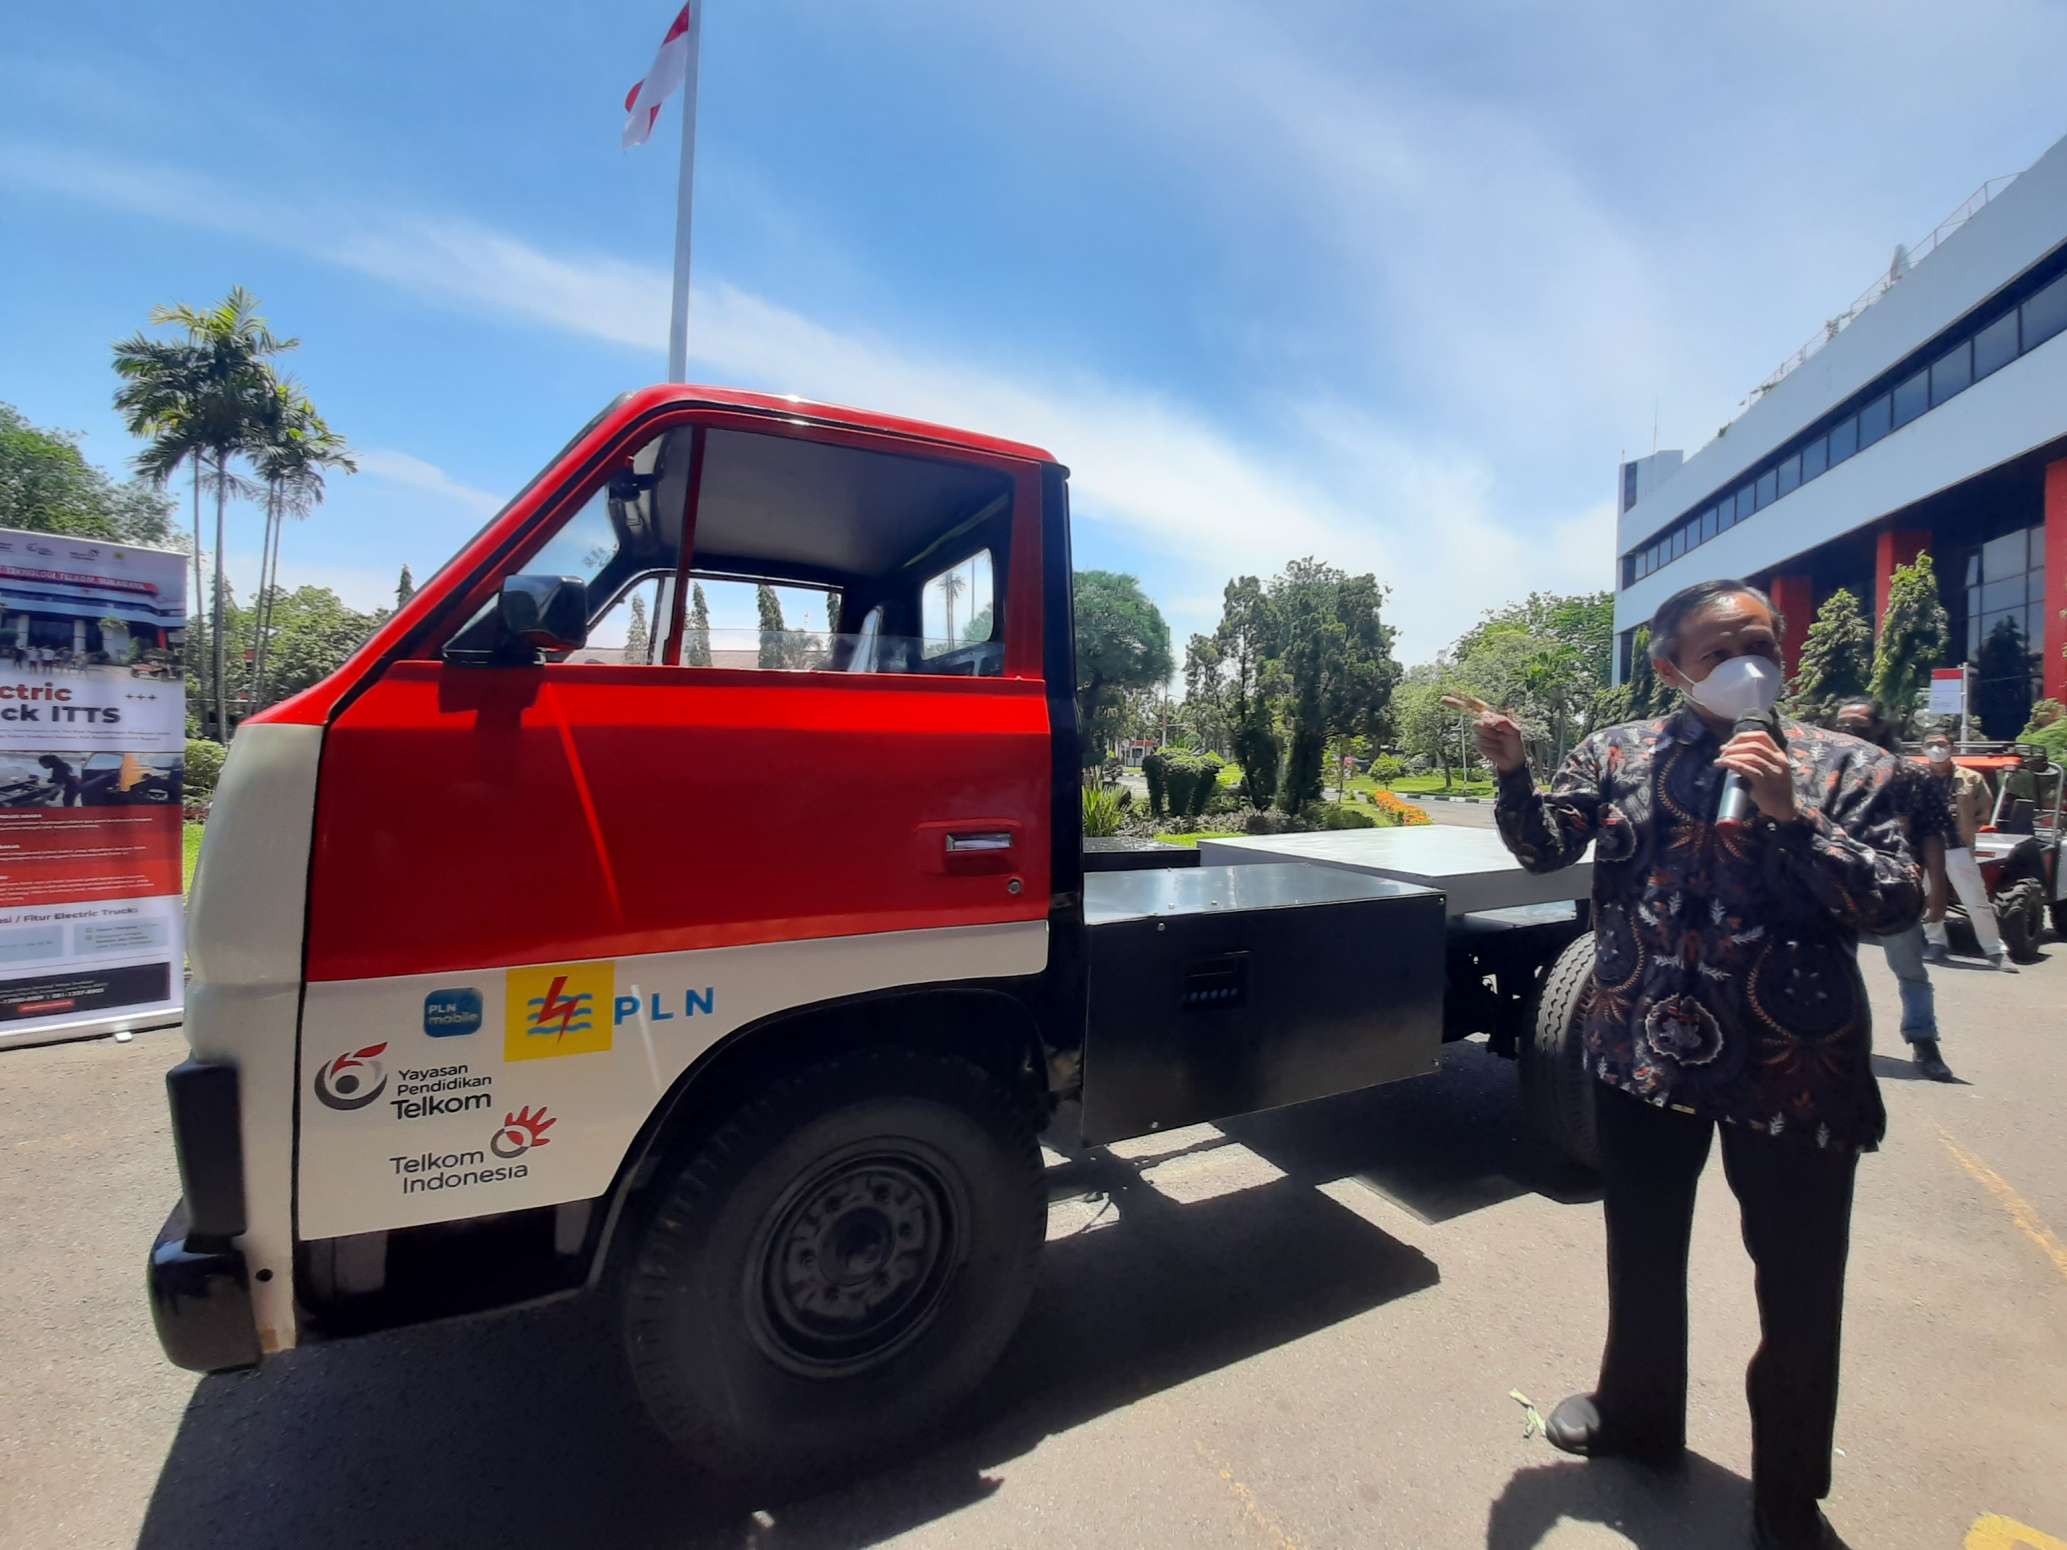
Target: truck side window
(819,557)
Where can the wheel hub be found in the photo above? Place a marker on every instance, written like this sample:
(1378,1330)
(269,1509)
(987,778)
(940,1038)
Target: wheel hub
(853,1263)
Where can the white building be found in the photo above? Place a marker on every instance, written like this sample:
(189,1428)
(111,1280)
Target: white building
(1932,415)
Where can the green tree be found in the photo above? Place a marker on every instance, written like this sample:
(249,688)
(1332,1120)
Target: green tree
(1914,635)
(979,627)
(1122,643)
(1836,659)
(774,639)
(292,451)
(47,486)
(203,400)
(1321,656)
(314,631)
(405,587)
(952,586)
(1251,686)
(638,643)
(696,650)
(1424,726)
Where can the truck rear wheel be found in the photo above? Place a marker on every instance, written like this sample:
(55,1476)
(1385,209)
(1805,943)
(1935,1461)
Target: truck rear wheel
(1557,1089)
(2020,917)
(833,1270)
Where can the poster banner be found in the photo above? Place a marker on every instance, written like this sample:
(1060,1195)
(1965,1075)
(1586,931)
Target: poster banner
(92,741)
(1948,691)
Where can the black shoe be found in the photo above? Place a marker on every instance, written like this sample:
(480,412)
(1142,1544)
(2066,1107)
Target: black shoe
(1575,1426)
(1804,1530)
(1930,1062)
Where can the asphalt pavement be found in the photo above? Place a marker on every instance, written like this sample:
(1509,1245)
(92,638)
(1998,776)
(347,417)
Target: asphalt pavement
(1298,1329)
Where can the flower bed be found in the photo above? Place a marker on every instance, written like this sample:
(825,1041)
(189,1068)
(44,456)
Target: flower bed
(1405,813)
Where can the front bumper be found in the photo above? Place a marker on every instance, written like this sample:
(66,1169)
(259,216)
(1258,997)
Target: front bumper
(200,1287)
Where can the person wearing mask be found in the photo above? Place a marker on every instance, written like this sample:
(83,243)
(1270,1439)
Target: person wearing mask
(1929,824)
(1726,997)
(1966,793)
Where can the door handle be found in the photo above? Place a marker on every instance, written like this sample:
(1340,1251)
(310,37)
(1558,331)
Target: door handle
(977,840)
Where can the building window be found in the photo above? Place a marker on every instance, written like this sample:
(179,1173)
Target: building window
(1952,372)
(1679,543)
(1815,457)
(1747,502)
(2045,314)
(1790,474)
(1708,524)
(1844,439)
(1912,397)
(1995,346)
(1873,422)
(2005,627)
(1768,487)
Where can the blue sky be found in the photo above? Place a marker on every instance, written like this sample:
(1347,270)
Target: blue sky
(1392,286)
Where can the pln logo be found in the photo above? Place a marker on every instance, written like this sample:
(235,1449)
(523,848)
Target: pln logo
(563,1009)
(352,1081)
(522,1131)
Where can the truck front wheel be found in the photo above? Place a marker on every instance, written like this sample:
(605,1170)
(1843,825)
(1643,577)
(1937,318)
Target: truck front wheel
(1557,1089)
(836,1266)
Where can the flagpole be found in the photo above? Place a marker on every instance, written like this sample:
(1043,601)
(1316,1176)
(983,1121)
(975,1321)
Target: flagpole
(678,320)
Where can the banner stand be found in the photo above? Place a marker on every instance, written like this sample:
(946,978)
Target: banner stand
(92,755)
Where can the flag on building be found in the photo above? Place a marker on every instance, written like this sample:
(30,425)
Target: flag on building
(663,78)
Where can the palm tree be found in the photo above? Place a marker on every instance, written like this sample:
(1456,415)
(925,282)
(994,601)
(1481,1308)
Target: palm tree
(952,586)
(298,446)
(207,399)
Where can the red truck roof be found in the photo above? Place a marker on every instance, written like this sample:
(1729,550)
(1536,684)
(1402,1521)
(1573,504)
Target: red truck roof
(839,414)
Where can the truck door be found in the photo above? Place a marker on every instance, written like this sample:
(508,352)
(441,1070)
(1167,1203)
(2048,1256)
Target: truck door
(544,882)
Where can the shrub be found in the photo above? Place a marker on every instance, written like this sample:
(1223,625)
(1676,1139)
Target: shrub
(203,768)
(1256,750)
(1343,816)
(1103,813)
(1155,769)
(1385,769)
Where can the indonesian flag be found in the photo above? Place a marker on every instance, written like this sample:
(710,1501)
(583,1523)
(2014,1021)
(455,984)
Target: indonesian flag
(669,68)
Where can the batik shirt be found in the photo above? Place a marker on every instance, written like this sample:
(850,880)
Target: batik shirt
(1725,977)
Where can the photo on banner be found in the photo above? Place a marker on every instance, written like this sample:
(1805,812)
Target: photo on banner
(92,748)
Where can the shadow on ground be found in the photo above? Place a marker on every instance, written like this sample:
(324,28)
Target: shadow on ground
(1694,1505)
(520,1429)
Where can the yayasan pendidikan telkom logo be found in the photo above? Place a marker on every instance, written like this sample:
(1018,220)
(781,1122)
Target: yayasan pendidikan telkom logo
(352,1081)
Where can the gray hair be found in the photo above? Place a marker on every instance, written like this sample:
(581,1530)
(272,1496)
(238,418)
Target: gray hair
(1673,614)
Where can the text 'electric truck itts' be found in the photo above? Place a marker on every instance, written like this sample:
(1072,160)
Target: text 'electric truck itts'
(553,948)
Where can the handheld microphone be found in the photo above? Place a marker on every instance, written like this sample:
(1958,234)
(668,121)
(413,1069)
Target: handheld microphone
(1735,807)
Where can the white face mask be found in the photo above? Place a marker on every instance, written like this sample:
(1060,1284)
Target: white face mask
(1939,755)
(1740,687)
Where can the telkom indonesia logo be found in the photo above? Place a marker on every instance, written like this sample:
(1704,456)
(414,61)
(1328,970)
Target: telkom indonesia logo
(352,1081)
(520,1132)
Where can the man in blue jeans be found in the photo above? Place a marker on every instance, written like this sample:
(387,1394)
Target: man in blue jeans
(1928,816)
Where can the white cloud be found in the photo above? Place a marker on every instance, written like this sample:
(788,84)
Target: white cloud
(1218,500)
(413,473)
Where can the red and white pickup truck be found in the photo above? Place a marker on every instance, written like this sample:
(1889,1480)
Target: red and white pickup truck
(738,986)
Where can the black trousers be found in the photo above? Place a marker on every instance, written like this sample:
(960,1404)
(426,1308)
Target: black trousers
(1795,1203)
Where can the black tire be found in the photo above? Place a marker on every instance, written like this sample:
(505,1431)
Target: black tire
(1557,1089)
(771,1365)
(2020,917)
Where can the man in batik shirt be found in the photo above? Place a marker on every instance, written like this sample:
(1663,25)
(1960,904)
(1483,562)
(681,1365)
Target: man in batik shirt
(1726,994)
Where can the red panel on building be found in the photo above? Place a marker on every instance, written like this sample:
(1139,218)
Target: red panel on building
(1895,547)
(2055,668)
(1795,597)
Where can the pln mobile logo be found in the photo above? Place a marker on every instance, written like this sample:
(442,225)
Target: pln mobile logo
(562,1009)
(522,1131)
(452,1013)
(352,1081)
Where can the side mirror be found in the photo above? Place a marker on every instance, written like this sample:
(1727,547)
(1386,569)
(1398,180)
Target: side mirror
(546,613)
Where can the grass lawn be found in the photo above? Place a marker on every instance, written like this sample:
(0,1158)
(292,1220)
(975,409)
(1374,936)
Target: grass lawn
(190,849)
(1192,840)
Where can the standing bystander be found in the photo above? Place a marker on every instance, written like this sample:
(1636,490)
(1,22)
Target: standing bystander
(1967,795)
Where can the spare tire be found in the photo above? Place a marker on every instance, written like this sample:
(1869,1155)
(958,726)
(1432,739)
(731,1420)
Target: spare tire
(2020,917)
(1557,1089)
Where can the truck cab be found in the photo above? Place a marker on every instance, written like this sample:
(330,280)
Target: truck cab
(579,936)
